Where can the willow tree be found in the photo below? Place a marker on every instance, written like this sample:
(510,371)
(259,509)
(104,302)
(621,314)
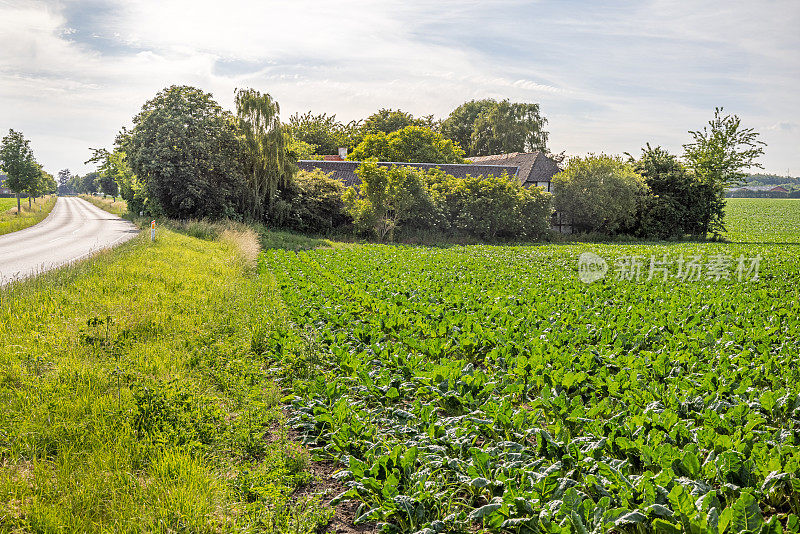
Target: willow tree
(267,167)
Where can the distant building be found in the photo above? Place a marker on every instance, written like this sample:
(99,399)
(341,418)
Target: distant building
(530,168)
(3,189)
(533,168)
(778,189)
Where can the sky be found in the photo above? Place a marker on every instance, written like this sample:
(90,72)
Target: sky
(608,76)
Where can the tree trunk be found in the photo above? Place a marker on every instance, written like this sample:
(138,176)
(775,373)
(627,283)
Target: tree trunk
(29,202)
(18,207)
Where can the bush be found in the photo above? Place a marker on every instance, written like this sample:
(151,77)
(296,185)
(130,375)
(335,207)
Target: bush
(599,193)
(313,203)
(679,202)
(390,198)
(490,206)
(398,200)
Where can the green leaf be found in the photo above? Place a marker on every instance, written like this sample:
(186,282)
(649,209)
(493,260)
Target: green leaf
(662,526)
(577,523)
(691,463)
(484,510)
(631,518)
(745,514)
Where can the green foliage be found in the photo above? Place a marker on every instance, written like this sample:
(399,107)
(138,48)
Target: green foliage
(17,161)
(184,148)
(508,127)
(491,206)
(483,127)
(488,387)
(679,202)
(267,167)
(460,124)
(115,177)
(322,132)
(412,144)
(721,151)
(718,155)
(313,203)
(598,193)
(388,198)
(392,120)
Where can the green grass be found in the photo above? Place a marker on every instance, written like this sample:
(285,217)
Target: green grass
(11,222)
(9,203)
(119,207)
(134,396)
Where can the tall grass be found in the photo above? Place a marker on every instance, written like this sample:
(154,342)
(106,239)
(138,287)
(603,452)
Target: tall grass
(135,395)
(117,207)
(10,221)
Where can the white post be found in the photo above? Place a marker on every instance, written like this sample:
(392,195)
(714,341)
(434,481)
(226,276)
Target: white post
(153,231)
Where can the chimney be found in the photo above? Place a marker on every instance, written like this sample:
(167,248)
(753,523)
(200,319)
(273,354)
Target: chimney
(343,153)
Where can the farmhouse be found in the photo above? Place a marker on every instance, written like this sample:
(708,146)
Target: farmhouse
(530,168)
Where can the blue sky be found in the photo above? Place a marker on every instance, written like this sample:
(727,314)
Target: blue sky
(608,76)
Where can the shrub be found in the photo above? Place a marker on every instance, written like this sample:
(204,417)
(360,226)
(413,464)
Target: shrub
(390,198)
(490,206)
(679,203)
(599,193)
(314,203)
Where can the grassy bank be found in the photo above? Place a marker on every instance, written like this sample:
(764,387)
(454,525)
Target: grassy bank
(10,221)
(117,207)
(134,397)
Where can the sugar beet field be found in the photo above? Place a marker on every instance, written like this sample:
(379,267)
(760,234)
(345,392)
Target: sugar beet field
(475,387)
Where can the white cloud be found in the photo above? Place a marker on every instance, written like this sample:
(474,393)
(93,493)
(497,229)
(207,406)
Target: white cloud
(609,79)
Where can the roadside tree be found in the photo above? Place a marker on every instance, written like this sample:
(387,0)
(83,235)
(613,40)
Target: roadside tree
(17,161)
(184,148)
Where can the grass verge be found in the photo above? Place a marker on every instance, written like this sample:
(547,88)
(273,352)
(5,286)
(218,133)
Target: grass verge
(118,207)
(10,221)
(134,395)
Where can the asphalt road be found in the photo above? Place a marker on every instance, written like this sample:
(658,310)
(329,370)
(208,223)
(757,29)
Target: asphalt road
(73,230)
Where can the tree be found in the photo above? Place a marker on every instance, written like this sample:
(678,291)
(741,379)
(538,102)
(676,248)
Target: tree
(117,178)
(598,193)
(508,127)
(184,148)
(64,177)
(323,132)
(87,184)
(267,166)
(460,124)
(16,159)
(718,155)
(412,144)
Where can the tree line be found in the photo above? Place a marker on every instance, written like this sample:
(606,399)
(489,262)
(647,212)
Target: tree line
(186,157)
(24,175)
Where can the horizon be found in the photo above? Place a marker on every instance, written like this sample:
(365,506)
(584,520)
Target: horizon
(607,78)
